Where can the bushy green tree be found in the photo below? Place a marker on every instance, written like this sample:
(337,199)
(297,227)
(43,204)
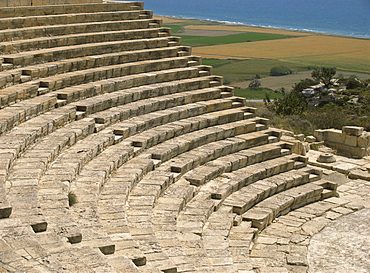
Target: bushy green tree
(280,71)
(324,74)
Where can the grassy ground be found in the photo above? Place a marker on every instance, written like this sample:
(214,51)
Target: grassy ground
(229,39)
(241,70)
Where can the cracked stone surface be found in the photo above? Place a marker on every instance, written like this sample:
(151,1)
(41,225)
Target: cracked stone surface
(343,245)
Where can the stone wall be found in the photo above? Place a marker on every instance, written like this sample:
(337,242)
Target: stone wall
(351,141)
(16,3)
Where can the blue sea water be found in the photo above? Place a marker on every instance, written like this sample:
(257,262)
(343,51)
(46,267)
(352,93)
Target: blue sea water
(340,17)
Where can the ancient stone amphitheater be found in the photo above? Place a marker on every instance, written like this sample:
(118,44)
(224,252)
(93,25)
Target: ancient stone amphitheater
(172,173)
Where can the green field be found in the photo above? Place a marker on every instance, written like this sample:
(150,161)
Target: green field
(241,70)
(229,39)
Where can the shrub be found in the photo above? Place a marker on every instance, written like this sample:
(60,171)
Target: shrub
(329,116)
(255,84)
(353,82)
(280,71)
(293,103)
(72,198)
(227,80)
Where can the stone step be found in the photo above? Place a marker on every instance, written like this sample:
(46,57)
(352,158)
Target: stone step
(111,71)
(236,181)
(74,39)
(253,193)
(32,57)
(59,19)
(81,63)
(263,213)
(75,28)
(186,143)
(19,112)
(21,11)
(228,163)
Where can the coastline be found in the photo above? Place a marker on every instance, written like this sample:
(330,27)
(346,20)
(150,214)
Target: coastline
(271,29)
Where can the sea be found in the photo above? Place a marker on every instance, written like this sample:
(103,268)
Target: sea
(338,17)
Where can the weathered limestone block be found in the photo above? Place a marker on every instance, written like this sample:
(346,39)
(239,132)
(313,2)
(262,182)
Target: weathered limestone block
(363,141)
(334,135)
(350,140)
(353,130)
(259,217)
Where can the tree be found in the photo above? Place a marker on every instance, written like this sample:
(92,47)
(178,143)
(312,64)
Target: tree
(324,74)
(280,71)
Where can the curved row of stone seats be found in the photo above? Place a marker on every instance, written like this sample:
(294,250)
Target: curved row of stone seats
(67,52)
(72,18)
(13,36)
(19,112)
(86,7)
(26,74)
(44,43)
(105,72)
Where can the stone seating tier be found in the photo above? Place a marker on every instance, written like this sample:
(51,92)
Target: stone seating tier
(53,7)
(58,30)
(73,18)
(77,39)
(31,89)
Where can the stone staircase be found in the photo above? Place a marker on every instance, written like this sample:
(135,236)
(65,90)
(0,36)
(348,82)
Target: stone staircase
(172,173)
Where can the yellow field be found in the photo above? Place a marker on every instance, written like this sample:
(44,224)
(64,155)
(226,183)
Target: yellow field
(344,53)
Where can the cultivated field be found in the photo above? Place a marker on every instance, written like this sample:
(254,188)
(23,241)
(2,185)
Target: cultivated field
(343,53)
(301,48)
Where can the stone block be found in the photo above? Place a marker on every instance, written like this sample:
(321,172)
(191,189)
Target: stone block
(334,135)
(259,217)
(363,141)
(353,130)
(350,140)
